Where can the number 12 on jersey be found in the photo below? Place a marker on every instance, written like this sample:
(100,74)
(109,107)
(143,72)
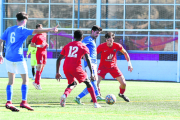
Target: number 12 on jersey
(72,51)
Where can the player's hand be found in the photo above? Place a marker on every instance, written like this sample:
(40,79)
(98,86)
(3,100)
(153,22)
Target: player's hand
(130,68)
(92,77)
(58,76)
(1,59)
(55,29)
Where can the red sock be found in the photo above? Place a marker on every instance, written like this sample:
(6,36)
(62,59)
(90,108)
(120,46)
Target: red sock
(24,102)
(122,90)
(37,79)
(9,102)
(93,96)
(67,91)
(99,90)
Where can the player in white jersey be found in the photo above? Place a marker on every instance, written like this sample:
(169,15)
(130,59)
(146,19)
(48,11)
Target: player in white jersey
(15,63)
(89,41)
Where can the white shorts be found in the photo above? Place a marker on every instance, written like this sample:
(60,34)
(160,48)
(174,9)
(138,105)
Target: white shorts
(16,67)
(94,69)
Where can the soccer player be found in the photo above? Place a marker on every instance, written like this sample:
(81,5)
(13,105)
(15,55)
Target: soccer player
(89,41)
(108,63)
(15,62)
(73,52)
(32,50)
(39,41)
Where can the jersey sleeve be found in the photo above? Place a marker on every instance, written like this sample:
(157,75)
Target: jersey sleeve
(86,41)
(99,48)
(63,51)
(34,39)
(120,47)
(86,50)
(4,35)
(26,31)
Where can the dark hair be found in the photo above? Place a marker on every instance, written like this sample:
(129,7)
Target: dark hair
(21,16)
(109,35)
(78,34)
(39,25)
(96,28)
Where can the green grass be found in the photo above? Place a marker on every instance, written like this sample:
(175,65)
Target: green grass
(149,101)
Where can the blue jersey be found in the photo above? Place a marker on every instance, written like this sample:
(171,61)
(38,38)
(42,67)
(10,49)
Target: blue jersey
(15,37)
(90,43)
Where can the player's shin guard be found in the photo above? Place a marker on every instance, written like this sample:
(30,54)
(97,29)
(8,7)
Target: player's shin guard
(93,96)
(9,91)
(94,83)
(37,79)
(24,90)
(122,90)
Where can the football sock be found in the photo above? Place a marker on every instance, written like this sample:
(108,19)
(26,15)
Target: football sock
(37,79)
(94,83)
(122,90)
(9,91)
(85,91)
(33,71)
(24,91)
(93,96)
(67,92)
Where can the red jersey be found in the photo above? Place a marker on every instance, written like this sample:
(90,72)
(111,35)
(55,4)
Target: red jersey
(74,51)
(40,39)
(108,54)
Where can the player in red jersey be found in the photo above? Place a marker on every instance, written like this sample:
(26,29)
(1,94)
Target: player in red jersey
(108,63)
(73,53)
(39,41)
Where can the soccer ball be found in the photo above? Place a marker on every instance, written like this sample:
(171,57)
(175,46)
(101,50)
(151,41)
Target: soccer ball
(110,99)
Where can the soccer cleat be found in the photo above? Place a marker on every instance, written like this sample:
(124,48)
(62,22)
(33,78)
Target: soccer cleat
(63,100)
(11,107)
(96,105)
(78,101)
(25,105)
(38,87)
(99,98)
(124,97)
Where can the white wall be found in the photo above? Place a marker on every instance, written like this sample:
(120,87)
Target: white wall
(143,70)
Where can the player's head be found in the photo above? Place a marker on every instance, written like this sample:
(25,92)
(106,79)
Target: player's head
(109,38)
(22,18)
(78,35)
(95,31)
(39,26)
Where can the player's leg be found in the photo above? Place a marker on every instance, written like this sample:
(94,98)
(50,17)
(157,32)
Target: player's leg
(92,92)
(9,89)
(9,92)
(24,91)
(98,82)
(33,72)
(122,87)
(36,83)
(33,63)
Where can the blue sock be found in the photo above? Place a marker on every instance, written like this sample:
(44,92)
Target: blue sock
(9,91)
(24,90)
(94,83)
(85,91)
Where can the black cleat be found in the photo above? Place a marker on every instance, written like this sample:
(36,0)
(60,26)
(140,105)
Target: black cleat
(124,97)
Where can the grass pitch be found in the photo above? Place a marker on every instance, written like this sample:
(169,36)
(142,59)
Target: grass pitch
(149,101)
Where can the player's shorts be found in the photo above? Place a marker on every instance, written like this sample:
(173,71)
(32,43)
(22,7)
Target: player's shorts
(16,67)
(41,58)
(33,60)
(94,70)
(72,75)
(115,72)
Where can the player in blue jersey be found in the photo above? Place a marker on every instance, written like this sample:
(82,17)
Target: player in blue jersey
(15,63)
(89,41)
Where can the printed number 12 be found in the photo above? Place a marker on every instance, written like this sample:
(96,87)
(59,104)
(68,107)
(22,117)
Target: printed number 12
(73,51)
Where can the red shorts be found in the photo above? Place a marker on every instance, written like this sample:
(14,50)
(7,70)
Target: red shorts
(115,72)
(41,58)
(73,74)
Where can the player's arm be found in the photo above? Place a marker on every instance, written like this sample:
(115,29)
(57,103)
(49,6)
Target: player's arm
(38,31)
(1,51)
(58,64)
(29,51)
(88,60)
(130,68)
